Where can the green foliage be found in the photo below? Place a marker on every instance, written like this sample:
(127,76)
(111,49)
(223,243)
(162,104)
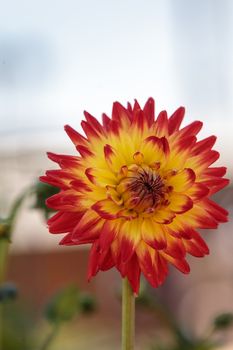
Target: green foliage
(7,224)
(5,229)
(63,306)
(180,340)
(18,326)
(66,304)
(42,192)
(197,346)
(8,291)
(223,321)
(87,303)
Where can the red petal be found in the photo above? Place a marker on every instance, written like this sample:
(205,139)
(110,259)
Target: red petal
(137,116)
(191,129)
(120,114)
(198,217)
(133,273)
(197,191)
(88,228)
(57,182)
(161,124)
(204,145)
(106,121)
(180,264)
(136,108)
(75,137)
(216,184)
(127,249)
(106,261)
(203,160)
(90,176)
(65,161)
(200,242)
(148,262)
(107,235)
(129,108)
(175,120)
(127,239)
(80,186)
(65,201)
(93,265)
(63,222)
(185,143)
(220,214)
(175,247)
(89,130)
(109,154)
(113,127)
(196,246)
(215,171)
(93,122)
(160,144)
(149,111)
(162,269)
(179,230)
(67,240)
(84,151)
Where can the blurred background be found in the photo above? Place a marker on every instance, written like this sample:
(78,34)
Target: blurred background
(58,58)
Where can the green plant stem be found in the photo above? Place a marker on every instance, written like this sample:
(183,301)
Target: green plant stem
(52,335)
(1,325)
(128,316)
(4,248)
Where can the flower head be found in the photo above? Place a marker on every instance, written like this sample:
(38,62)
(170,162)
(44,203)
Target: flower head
(137,191)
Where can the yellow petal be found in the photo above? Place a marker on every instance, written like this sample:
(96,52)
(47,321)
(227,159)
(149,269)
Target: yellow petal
(182,180)
(153,234)
(180,203)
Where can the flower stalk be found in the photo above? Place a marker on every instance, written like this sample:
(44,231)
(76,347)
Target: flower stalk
(128,316)
(51,336)
(6,229)
(4,247)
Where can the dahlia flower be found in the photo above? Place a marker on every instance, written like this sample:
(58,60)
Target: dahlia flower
(138,191)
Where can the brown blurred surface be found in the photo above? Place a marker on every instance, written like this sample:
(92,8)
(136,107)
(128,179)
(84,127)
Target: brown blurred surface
(39,275)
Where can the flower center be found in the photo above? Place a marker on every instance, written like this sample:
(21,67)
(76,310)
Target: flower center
(142,190)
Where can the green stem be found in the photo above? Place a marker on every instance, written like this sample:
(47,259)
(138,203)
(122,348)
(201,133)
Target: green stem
(4,248)
(128,316)
(1,325)
(50,337)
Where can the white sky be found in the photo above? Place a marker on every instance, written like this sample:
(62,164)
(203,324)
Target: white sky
(58,58)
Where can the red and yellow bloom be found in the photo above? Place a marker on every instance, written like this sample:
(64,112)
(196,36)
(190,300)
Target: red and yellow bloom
(137,191)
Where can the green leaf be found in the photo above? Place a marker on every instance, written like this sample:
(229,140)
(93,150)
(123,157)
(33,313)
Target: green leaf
(63,306)
(87,303)
(7,224)
(42,192)
(223,321)
(5,229)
